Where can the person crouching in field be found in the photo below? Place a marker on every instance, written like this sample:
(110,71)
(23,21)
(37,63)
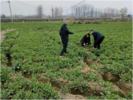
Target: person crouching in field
(98,38)
(64,37)
(85,40)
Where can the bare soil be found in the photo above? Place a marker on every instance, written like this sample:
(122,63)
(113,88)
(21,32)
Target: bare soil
(125,87)
(68,96)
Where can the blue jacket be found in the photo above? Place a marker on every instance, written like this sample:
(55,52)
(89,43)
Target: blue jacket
(97,35)
(64,34)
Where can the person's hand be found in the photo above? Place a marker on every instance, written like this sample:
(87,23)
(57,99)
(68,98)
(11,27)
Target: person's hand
(84,44)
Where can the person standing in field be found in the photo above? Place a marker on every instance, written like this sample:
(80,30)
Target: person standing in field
(98,38)
(64,37)
(85,40)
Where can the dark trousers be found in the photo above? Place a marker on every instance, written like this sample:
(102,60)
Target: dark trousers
(97,45)
(64,49)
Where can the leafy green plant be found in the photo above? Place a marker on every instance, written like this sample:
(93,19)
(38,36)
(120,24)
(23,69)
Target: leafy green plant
(45,89)
(92,77)
(126,76)
(65,89)
(17,64)
(79,85)
(93,97)
(106,85)
(3,59)
(5,73)
(27,95)
(129,95)
(109,95)
(27,68)
(5,94)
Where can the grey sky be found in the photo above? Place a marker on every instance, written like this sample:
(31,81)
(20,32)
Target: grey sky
(28,7)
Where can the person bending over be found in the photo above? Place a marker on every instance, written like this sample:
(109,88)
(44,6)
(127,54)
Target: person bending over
(64,37)
(85,40)
(98,38)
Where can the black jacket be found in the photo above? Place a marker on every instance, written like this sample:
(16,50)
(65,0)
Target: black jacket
(85,39)
(97,35)
(64,34)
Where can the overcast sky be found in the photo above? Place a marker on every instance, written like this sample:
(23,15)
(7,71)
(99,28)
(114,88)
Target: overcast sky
(28,7)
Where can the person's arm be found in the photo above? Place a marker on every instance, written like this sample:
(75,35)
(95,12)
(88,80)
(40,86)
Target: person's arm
(68,32)
(83,40)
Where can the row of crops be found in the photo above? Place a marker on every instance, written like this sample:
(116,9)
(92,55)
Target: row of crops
(32,69)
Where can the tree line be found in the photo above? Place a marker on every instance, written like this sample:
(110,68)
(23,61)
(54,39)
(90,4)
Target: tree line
(87,10)
(81,11)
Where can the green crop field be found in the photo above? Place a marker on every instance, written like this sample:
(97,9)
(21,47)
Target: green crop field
(32,69)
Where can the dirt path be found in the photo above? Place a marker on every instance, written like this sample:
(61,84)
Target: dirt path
(3,32)
(68,96)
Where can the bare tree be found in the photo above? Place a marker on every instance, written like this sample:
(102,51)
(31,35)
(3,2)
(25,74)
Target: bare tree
(116,12)
(92,11)
(112,12)
(57,12)
(52,10)
(40,11)
(84,8)
(75,11)
(87,10)
(106,12)
(96,12)
(100,13)
(79,11)
(72,10)
(123,12)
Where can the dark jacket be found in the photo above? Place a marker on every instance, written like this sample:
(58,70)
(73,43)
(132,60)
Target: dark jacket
(85,39)
(97,35)
(64,34)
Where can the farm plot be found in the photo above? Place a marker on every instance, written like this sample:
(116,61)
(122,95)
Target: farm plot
(32,69)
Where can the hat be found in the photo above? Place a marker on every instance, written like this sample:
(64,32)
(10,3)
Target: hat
(65,24)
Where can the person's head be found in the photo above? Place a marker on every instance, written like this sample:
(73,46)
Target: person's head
(91,31)
(65,24)
(88,35)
